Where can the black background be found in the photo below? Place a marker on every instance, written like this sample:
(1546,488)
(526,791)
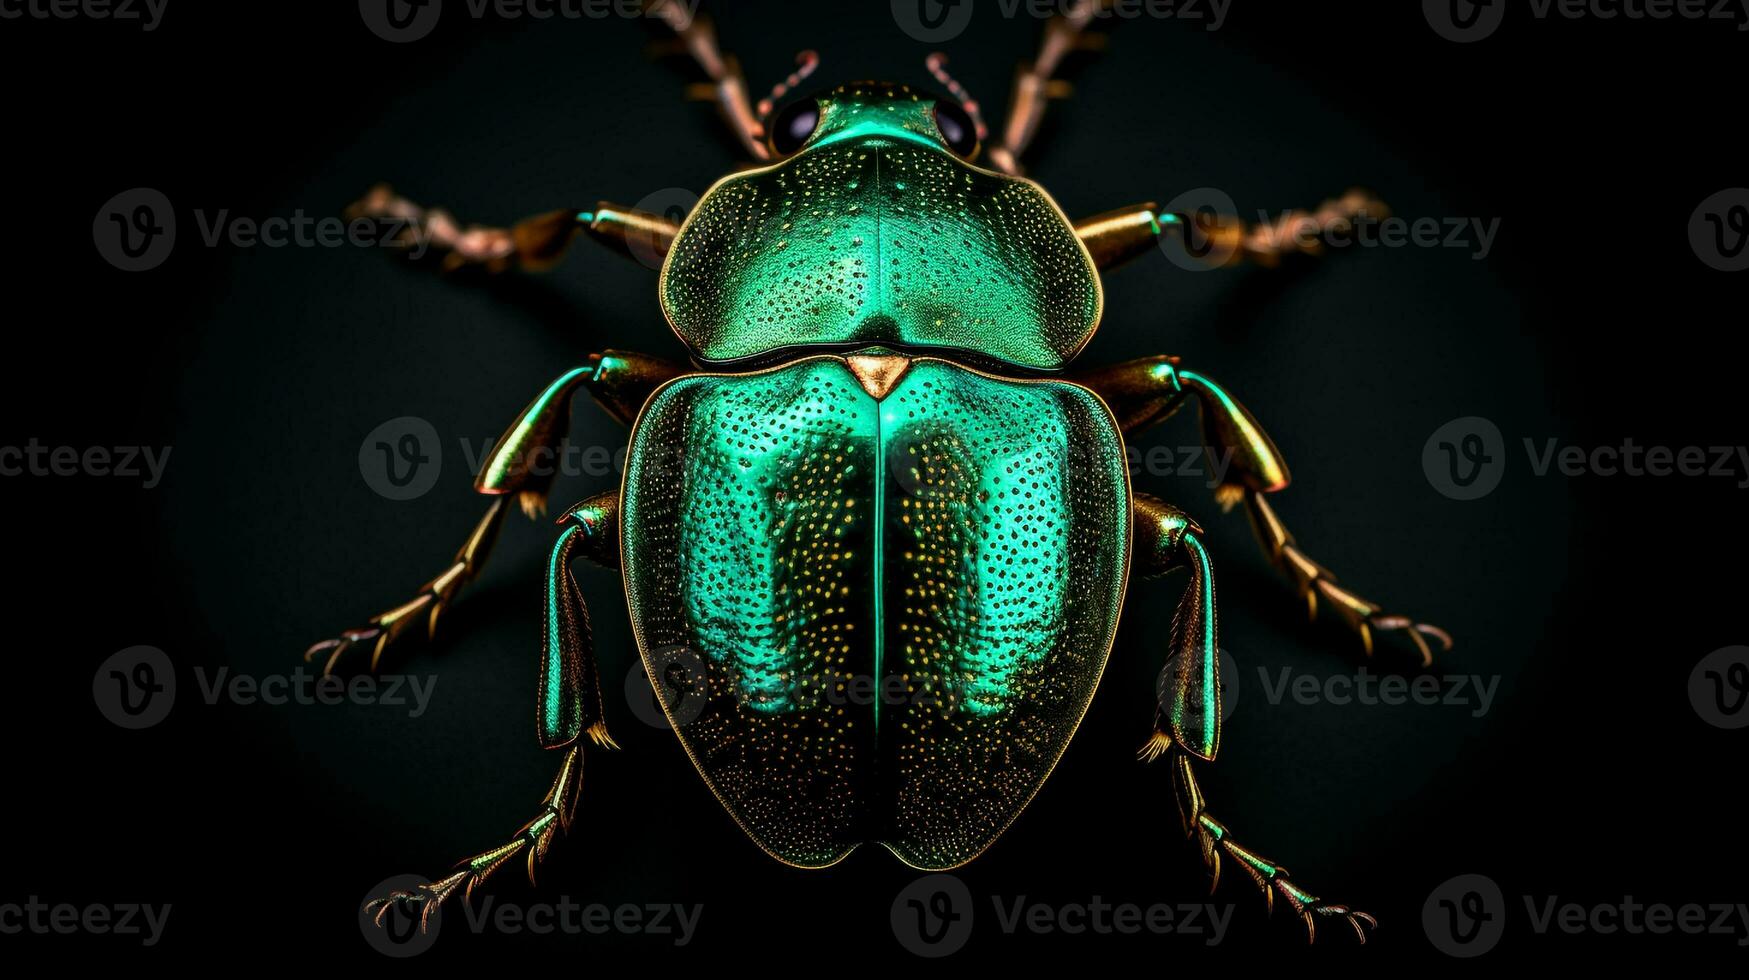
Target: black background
(1589,600)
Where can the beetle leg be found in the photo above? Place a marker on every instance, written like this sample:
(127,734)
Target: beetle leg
(570,707)
(1314,581)
(1036,82)
(533,840)
(386,627)
(534,244)
(1190,697)
(570,688)
(1214,840)
(1147,391)
(521,466)
(1188,721)
(1116,237)
(522,462)
(696,36)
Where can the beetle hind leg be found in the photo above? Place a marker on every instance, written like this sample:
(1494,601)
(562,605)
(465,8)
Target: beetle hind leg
(1187,724)
(1214,840)
(569,710)
(532,842)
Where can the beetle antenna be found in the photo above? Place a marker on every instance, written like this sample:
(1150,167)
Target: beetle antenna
(937,65)
(806,62)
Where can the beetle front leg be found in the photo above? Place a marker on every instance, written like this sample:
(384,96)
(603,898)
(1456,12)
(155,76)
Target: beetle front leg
(1036,82)
(1115,237)
(1144,392)
(569,707)
(533,244)
(521,466)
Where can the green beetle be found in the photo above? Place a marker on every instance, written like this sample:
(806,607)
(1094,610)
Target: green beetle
(879,528)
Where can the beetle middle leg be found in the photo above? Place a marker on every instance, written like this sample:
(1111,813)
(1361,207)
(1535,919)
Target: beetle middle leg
(1117,236)
(1187,723)
(520,466)
(1144,392)
(569,707)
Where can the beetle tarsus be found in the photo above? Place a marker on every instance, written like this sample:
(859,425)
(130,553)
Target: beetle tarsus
(1316,583)
(532,841)
(535,243)
(1213,840)
(1118,236)
(1224,240)
(385,628)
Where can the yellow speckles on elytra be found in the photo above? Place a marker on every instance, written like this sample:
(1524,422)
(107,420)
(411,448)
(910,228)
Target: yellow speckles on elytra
(972,529)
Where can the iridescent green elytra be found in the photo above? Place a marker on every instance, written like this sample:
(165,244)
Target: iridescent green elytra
(963,540)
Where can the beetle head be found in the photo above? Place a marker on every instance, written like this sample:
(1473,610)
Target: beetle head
(874,111)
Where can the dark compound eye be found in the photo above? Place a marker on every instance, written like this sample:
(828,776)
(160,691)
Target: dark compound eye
(956,128)
(791,127)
